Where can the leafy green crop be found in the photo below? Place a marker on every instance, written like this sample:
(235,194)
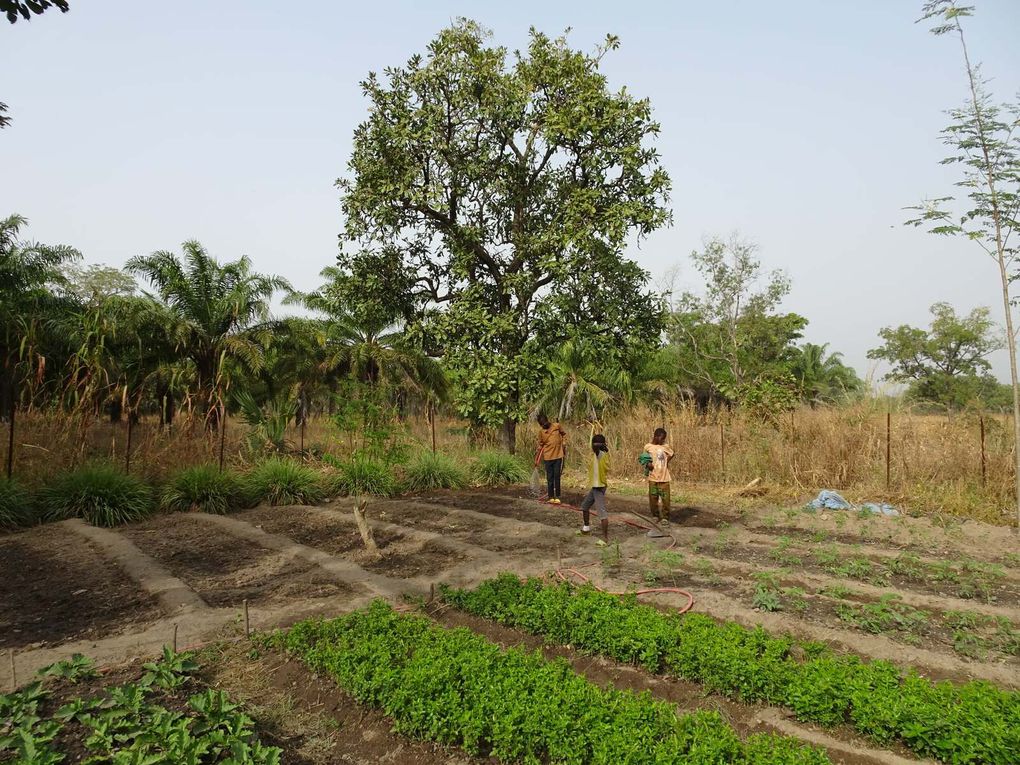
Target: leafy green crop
(973,722)
(127,725)
(455,687)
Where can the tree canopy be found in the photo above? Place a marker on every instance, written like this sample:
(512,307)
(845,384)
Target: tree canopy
(946,363)
(489,198)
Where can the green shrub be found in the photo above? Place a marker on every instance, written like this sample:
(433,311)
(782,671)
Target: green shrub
(284,482)
(456,687)
(15,505)
(362,475)
(204,489)
(429,471)
(972,722)
(498,469)
(99,494)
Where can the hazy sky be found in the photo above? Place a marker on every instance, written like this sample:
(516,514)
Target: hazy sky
(806,125)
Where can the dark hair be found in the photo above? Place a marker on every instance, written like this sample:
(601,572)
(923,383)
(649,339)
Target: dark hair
(543,420)
(659,436)
(598,443)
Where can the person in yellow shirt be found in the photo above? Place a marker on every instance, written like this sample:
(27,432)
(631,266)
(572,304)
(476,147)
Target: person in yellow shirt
(597,493)
(552,449)
(658,476)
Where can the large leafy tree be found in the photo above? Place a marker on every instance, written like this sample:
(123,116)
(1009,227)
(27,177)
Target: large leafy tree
(946,363)
(984,140)
(490,197)
(217,309)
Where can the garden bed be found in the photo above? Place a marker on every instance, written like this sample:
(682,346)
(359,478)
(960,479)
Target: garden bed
(58,588)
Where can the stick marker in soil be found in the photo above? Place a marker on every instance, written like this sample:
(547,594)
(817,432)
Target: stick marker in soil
(247,627)
(175,638)
(14,674)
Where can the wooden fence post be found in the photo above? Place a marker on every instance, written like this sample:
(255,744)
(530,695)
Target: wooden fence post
(983,479)
(888,448)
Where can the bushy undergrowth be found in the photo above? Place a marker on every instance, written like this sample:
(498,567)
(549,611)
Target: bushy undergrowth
(455,687)
(973,722)
(205,489)
(361,475)
(281,481)
(498,469)
(429,471)
(15,505)
(99,494)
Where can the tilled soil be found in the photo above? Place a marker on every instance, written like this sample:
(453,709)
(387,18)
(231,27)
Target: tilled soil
(307,527)
(56,588)
(225,572)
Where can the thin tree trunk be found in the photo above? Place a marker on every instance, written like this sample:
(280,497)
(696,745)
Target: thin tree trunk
(13,399)
(510,435)
(1000,252)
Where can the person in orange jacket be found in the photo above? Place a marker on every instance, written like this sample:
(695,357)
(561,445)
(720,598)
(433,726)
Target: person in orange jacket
(552,449)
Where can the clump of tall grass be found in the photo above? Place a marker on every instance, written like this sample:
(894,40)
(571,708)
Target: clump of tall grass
(362,475)
(284,482)
(15,505)
(498,469)
(204,489)
(428,471)
(99,494)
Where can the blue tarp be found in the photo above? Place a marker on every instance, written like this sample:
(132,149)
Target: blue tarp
(830,500)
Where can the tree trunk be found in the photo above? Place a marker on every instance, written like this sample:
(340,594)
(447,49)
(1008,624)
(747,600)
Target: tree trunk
(1014,379)
(13,407)
(363,528)
(167,408)
(510,435)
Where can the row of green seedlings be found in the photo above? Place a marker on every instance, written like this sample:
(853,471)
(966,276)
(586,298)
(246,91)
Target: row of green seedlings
(454,687)
(155,720)
(975,722)
(966,578)
(103,495)
(969,634)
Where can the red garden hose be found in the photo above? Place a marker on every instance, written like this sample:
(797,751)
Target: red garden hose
(562,573)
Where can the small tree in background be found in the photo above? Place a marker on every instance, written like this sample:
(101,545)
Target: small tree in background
(985,138)
(946,364)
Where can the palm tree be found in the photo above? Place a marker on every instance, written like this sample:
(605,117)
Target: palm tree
(371,350)
(217,309)
(578,382)
(27,271)
(821,377)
